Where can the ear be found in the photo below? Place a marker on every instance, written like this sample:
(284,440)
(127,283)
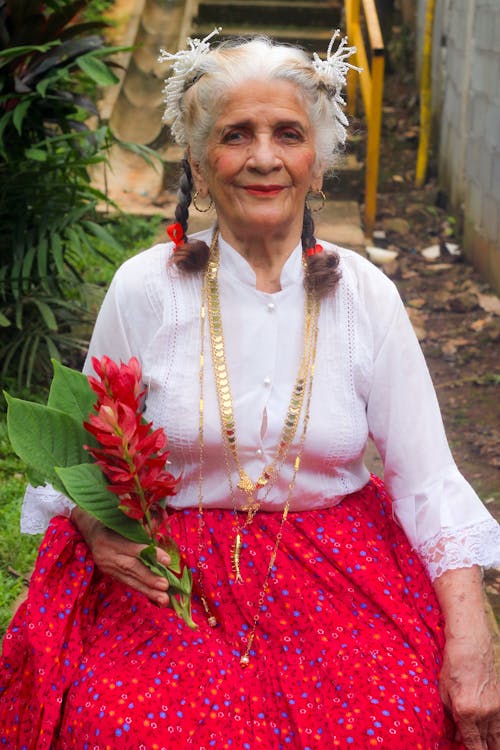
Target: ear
(200,182)
(317,179)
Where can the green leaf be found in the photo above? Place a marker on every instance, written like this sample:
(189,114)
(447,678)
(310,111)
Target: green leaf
(71,393)
(5,120)
(8,54)
(182,606)
(43,85)
(34,477)
(32,357)
(19,314)
(42,259)
(180,584)
(87,487)
(97,71)
(27,266)
(57,251)
(107,51)
(19,114)
(47,314)
(102,234)
(45,438)
(74,248)
(36,154)
(174,553)
(179,589)
(151,157)
(4,321)
(52,349)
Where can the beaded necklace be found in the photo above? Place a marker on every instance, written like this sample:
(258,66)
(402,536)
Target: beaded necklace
(301,394)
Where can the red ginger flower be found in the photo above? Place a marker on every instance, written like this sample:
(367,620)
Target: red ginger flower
(120,383)
(132,455)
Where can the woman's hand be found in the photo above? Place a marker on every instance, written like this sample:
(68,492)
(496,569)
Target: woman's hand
(119,558)
(469,685)
(471,691)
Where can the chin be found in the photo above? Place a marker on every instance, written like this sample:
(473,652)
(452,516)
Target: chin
(268,220)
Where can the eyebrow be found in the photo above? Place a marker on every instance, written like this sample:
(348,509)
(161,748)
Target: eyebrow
(247,123)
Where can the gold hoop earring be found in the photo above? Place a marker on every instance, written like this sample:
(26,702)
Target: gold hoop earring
(201,210)
(321,196)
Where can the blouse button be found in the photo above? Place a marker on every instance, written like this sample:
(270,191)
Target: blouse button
(259,452)
(271,306)
(267,382)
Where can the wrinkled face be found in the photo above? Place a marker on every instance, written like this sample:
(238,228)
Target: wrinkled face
(260,161)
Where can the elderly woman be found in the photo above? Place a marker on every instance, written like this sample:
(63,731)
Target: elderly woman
(332,610)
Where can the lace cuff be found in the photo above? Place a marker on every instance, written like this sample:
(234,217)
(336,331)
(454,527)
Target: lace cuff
(476,544)
(40,504)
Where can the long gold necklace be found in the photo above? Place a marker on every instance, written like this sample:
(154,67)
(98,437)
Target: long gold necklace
(226,412)
(301,392)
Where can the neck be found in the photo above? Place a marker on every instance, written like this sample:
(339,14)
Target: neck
(265,253)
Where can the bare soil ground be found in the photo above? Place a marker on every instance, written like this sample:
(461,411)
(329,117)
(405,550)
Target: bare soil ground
(455,312)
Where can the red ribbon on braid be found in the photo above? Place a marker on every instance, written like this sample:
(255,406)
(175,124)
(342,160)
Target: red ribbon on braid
(176,234)
(314,250)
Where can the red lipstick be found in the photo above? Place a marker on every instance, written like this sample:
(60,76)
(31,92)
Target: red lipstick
(264,189)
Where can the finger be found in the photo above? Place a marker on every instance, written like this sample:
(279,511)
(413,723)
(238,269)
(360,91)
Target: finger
(162,557)
(134,569)
(131,571)
(134,574)
(445,697)
(493,736)
(470,734)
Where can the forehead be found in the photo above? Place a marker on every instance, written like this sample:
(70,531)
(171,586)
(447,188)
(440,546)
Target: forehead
(263,101)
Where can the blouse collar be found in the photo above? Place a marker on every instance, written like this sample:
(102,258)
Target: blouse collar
(233,263)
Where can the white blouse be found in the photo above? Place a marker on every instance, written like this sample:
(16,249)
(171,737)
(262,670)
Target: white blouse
(370,379)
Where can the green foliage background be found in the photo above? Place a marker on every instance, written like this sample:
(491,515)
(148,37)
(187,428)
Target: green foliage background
(58,250)
(53,60)
(18,551)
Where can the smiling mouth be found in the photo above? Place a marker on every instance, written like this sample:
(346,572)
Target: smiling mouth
(268,190)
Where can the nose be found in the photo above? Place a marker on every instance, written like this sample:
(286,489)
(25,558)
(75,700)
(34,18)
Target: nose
(264,155)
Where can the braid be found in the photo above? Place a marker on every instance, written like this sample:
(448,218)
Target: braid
(184,195)
(308,238)
(322,274)
(189,255)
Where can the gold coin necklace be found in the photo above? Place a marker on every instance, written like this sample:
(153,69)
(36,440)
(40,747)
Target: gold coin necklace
(301,395)
(271,472)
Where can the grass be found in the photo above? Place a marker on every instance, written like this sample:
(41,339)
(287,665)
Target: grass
(18,551)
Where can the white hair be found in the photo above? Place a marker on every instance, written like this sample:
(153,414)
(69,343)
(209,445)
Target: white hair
(204,77)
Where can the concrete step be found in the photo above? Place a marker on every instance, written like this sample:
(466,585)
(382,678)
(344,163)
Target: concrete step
(314,40)
(282,13)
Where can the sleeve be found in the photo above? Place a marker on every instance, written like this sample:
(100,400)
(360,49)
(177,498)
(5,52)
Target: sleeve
(127,315)
(40,504)
(444,519)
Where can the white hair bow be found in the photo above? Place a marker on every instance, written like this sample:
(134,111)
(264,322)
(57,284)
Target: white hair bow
(333,72)
(183,63)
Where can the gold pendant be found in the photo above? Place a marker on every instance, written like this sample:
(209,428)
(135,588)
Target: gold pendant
(235,558)
(251,510)
(211,619)
(245,483)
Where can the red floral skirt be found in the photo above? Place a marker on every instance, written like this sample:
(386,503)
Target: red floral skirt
(347,650)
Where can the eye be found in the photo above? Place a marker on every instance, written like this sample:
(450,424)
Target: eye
(290,135)
(234,136)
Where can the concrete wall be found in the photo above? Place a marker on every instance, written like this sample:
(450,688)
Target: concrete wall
(466,107)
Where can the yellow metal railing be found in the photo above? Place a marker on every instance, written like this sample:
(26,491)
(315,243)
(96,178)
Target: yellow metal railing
(371,80)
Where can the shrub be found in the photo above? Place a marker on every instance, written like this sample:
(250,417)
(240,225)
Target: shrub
(51,61)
